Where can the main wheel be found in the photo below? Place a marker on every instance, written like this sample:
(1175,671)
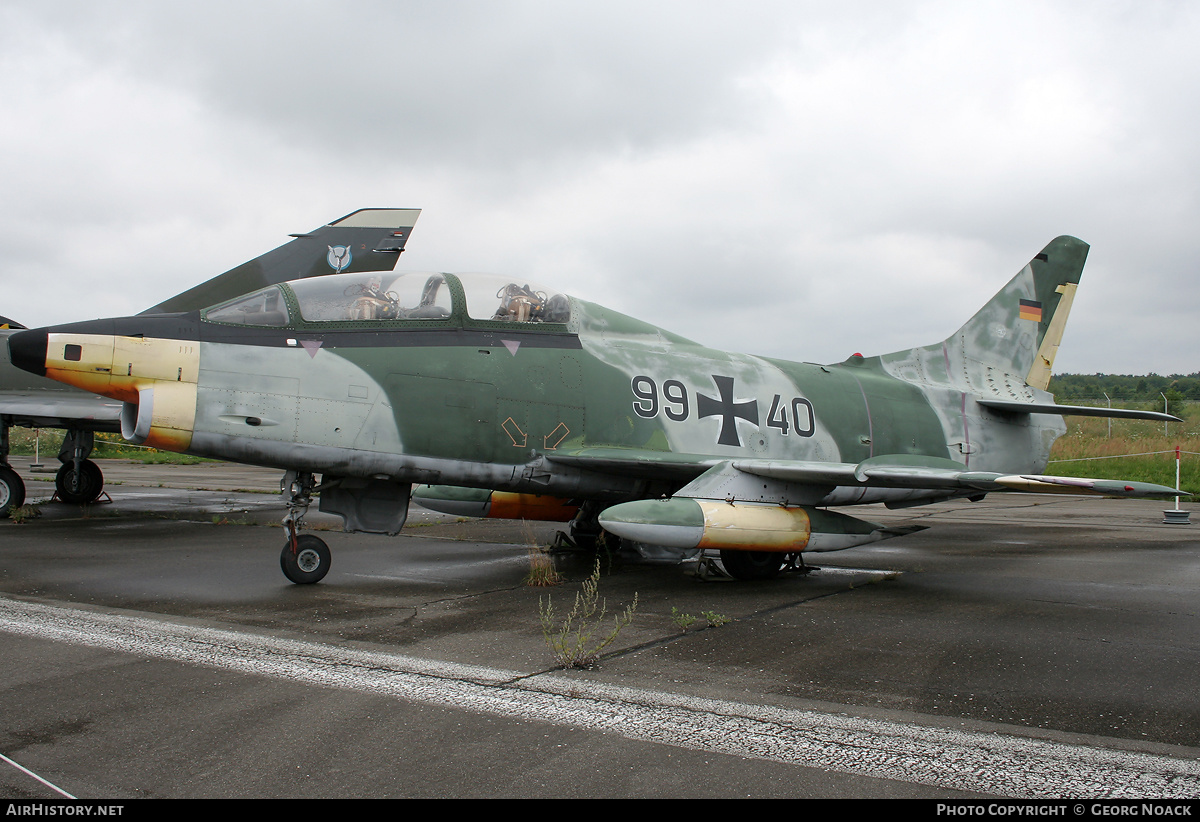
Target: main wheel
(12,490)
(309,563)
(81,488)
(752,564)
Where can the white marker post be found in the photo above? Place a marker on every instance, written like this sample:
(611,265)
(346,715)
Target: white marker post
(1176,516)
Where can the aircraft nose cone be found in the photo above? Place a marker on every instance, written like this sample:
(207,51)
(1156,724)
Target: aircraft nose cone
(27,351)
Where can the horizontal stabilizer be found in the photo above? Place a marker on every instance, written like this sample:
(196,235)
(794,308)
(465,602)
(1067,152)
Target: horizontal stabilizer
(1012,407)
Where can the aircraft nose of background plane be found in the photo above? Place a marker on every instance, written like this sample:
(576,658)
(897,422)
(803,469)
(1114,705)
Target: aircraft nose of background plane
(27,351)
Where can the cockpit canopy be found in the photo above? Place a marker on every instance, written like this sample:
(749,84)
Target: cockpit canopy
(373,297)
(361,297)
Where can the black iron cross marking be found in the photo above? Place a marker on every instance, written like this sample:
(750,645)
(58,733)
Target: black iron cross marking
(727,409)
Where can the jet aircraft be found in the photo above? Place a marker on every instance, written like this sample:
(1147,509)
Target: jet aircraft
(370,239)
(503,397)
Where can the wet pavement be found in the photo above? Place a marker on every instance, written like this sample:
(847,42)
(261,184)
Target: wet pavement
(151,647)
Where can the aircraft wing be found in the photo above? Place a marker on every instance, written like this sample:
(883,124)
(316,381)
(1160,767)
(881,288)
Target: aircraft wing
(795,481)
(630,463)
(885,472)
(48,410)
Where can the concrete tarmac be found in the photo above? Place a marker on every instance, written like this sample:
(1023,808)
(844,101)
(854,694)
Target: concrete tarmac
(1021,646)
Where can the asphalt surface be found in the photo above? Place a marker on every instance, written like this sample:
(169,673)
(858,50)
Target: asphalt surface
(1021,646)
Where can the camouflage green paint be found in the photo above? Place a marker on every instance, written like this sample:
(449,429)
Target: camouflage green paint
(504,392)
(581,402)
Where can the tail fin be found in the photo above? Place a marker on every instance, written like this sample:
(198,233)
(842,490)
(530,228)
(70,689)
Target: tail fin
(1014,337)
(1019,329)
(370,239)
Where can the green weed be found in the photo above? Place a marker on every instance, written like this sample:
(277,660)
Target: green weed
(684,621)
(578,640)
(25,513)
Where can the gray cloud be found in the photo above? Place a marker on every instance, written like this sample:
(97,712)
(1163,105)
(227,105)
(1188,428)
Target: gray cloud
(781,178)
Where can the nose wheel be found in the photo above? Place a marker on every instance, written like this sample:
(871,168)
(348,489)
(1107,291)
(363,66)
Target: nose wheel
(305,559)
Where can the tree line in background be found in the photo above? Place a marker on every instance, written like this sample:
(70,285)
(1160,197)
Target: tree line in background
(1124,387)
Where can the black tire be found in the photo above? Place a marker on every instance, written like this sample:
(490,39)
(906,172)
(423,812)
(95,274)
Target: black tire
(752,565)
(12,491)
(82,488)
(310,561)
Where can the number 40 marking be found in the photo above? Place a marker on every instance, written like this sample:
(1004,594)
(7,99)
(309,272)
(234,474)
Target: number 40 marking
(803,420)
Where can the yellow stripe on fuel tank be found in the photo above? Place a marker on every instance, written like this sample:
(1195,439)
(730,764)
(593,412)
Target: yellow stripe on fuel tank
(765,527)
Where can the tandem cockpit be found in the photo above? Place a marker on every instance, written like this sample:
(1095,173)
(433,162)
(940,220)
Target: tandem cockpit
(371,299)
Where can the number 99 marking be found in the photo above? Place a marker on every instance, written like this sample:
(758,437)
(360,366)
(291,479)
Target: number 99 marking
(675,394)
(646,390)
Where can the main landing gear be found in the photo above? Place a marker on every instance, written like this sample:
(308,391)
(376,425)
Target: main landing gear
(79,481)
(752,565)
(584,531)
(305,558)
(12,491)
(759,565)
(12,488)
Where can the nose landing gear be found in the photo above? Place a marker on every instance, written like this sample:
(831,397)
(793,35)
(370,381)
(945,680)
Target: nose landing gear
(305,558)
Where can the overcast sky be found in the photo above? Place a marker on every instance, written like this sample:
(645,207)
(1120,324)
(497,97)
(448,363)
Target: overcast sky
(801,180)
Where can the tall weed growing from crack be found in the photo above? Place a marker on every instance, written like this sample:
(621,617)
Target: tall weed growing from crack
(578,639)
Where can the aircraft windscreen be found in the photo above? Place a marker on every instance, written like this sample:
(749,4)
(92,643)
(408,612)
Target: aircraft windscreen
(373,296)
(266,307)
(492,297)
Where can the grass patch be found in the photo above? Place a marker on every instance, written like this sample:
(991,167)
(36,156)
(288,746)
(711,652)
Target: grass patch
(25,441)
(1088,449)
(23,514)
(542,573)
